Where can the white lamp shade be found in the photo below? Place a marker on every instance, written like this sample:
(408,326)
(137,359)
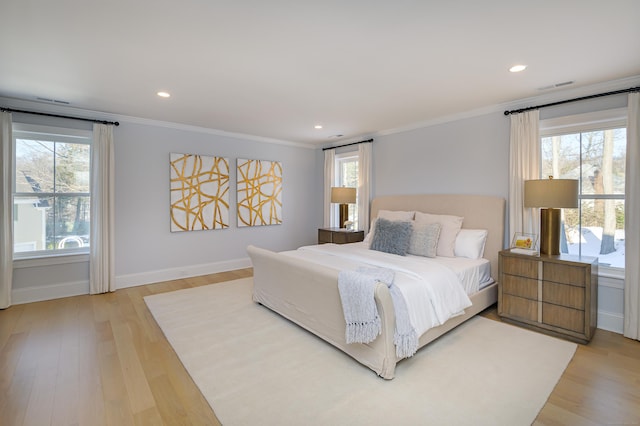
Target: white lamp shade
(551,193)
(341,195)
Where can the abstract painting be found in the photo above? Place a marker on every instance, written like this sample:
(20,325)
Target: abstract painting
(259,192)
(199,192)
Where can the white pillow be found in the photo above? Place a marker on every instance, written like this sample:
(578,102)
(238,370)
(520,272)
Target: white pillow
(470,243)
(450,225)
(392,215)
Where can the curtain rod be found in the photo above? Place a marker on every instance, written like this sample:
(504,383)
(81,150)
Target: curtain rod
(46,114)
(583,98)
(347,144)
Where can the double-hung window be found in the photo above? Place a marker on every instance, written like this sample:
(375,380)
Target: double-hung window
(346,169)
(592,148)
(51,194)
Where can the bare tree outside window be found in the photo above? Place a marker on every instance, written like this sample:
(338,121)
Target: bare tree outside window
(597,158)
(52,193)
(347,175)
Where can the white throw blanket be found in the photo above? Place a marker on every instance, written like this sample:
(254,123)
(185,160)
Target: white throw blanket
(359,306)
(357,290)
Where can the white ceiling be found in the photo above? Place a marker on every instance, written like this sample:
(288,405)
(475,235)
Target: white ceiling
(276,68)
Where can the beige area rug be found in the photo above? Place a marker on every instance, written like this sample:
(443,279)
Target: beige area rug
(257,368)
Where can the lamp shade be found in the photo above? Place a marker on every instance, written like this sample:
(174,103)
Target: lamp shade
(341,195)
(551,193)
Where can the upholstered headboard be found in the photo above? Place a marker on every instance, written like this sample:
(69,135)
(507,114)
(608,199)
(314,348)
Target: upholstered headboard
(479,212)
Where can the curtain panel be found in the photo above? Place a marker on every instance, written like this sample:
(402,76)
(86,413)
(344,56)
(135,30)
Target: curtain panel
(524,164)
(329,181)
(364,185)
(632,221)
(101,251)
(6,209)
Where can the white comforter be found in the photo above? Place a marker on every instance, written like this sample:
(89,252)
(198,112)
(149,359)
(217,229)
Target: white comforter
(433,292)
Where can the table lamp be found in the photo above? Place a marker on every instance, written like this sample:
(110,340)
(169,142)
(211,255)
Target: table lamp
(344,197)
(552,195)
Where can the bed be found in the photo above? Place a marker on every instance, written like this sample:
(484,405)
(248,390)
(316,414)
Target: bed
(306,292)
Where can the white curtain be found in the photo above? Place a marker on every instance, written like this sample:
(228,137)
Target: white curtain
(632,222)
(524,164)
(329,181)
(364,185)
(6,210)
(101,255)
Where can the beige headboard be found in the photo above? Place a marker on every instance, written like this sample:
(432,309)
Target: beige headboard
(479,212)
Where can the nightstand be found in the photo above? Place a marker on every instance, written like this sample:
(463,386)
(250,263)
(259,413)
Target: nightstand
(339,236)
(557,295)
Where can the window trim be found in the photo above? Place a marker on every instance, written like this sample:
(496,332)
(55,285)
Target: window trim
(60,134)
(591,121)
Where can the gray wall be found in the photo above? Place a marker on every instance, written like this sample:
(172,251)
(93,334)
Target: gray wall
(143,240)
(468,156)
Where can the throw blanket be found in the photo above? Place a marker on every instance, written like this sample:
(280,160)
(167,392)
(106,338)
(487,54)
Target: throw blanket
(358,304)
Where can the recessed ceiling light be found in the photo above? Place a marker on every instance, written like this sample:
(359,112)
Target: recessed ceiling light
(318,126)
(164,94)
(517,68)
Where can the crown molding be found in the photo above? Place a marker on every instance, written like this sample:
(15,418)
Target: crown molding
(36,106)
(555,96)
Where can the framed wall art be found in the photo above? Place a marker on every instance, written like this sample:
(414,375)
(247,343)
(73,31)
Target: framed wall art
(259,192)
(199,192)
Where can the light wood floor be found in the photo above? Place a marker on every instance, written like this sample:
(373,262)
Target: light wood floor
(102,360)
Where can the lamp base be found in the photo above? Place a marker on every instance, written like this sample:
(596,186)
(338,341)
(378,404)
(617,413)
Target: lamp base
(550,221)
(344,214)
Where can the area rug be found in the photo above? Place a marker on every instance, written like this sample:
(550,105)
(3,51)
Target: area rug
(256,368)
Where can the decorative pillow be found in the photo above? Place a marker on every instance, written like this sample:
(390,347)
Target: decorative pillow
(470,243)
(450,226)
(424,239)
(391,237)
(393,215)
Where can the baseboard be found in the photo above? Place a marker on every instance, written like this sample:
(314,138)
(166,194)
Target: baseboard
(142,278)
(48,292)
(57,291)
(611,321)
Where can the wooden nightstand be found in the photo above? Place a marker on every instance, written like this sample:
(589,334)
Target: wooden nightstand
(339,236)
(557,295)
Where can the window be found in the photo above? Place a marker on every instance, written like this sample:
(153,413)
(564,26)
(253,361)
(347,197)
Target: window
(51,194)
(346,168)
(591,148)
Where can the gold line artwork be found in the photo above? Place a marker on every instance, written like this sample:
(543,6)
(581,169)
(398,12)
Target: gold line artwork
(259,192)
(199,192)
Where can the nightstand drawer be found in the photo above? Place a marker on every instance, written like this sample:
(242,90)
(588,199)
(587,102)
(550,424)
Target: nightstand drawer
(519,308)
(521,267)
(339,236)
(565,274)
(520,286)
(325,236)
(564,295)
(566,318)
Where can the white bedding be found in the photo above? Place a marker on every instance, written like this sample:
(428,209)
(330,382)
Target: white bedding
(433,292)
(474,274)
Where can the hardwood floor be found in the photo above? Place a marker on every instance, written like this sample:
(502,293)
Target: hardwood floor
(102,360)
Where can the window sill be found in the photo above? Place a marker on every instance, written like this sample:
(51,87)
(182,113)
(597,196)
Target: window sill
(50,260)
(609,272)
